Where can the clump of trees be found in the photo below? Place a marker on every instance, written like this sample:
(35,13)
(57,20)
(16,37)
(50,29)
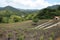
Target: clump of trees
(11,15)
(7,16)
(11,19)
(15,18)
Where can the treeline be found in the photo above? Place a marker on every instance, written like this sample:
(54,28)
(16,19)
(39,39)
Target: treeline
(49,13)
(7,16)
(10,15)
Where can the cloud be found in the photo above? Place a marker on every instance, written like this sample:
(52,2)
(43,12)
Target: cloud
(26,4)
(31,4)
(3,3)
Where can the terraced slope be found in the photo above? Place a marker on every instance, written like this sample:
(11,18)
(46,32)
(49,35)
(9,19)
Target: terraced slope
(43,25)
(48,24)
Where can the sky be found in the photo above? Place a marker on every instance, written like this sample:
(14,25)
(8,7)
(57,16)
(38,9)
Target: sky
(29,4)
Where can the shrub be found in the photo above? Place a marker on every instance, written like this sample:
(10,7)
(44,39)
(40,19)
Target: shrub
(5,20)
(35,20)
(42,37)
(50,38)
(15,18)
(20,37)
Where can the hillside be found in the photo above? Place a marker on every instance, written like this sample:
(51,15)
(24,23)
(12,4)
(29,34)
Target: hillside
(45,13)
(9,13)
(16,10)
(53,7)
(49,12)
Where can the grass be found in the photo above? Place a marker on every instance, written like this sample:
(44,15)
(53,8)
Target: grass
(22,25)
(24,29)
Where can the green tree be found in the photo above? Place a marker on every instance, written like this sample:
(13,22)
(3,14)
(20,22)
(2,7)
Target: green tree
(5,20)
(35,21)
(15,18)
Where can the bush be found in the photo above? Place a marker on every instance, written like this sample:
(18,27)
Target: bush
(42,37)
(35,20)
(15,18)
(20,37)
(50,38)
(5,20)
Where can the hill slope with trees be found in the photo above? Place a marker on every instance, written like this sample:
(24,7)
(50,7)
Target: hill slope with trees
(11,14)
(49,12)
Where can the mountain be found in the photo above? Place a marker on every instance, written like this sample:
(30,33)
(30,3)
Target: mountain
(53,7)
(10,8)
(16,10)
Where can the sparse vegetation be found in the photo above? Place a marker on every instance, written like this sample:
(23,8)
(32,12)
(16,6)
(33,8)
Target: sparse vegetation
(20,37)
(50,38)
(42,37)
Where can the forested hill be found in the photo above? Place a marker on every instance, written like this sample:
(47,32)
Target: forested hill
(12,10)
(49,12)
(11,14)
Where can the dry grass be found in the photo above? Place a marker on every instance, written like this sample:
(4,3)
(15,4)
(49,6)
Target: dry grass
(24,24)
(22,28)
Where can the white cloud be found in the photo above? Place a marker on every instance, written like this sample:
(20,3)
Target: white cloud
(27,4)
(3,3)
(31,4)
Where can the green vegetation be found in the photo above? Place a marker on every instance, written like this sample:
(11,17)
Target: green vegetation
(9,35)
(10,15)
(35,20)
(50,38)
(42,37)
(48,13)
(20,37)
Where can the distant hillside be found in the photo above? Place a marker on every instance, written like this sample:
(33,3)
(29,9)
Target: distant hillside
(49,12)
(11,14)
(54,6)
(16,10)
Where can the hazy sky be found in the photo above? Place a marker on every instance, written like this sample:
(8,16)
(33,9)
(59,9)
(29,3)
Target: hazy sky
(29,4)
